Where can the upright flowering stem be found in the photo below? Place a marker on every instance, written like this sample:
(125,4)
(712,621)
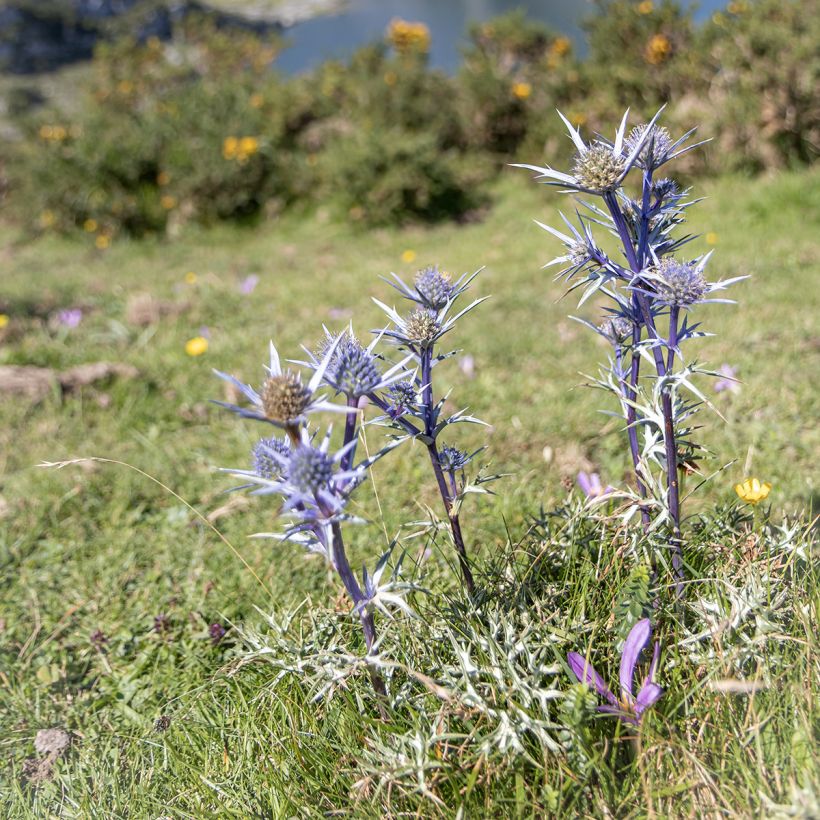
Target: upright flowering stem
(446,496)
(657,351)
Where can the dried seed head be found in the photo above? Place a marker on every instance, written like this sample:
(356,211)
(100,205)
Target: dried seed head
(578,254)
(598,168)
(421,326)
(263,455)
(617,329)
(285,398)
(434,287)
(681,284)
(309,469)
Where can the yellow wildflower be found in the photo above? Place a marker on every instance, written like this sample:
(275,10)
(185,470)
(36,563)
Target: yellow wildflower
(168,202)
(711,238)
(248,146)
(658,49)
(190,278)
(408,256)
(90,225)
(577,118)
(560,47)
(646,7)
(196,346)
(102,241)
(521,90)
(4,320)
(230,145)
(406,37)
(752,490)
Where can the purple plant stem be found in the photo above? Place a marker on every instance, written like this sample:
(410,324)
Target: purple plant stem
(452,516)
(660,365)
(343,565)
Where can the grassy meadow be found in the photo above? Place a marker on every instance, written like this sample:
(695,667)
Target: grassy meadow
(107,549)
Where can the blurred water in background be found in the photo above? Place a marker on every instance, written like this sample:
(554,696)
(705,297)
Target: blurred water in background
(363,21)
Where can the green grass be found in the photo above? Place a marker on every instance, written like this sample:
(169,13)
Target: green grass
(103,547)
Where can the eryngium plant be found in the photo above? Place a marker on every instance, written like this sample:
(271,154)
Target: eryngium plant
(315,483)
(651,289)
(412,407)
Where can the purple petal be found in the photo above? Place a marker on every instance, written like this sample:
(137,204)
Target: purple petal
(584,671)
(585,483)
(636,640)
(649,694)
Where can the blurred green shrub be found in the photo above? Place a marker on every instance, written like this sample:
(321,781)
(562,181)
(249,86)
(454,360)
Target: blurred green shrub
(202,129)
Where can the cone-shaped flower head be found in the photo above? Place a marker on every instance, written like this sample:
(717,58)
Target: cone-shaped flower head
(421,327)
(616,329)
(679,283)
(628,707)
(600,167)
(267,455)
(656,146)
(434,287)
(452,459)
(310,469)
(284,400)
(401,397)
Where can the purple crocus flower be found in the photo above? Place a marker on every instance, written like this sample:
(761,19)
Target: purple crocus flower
(629,707)
(70,317)
(591,485)
(248,284)
(729,381)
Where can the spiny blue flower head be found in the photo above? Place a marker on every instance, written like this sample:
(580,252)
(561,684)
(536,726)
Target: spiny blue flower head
(452,459)
(434,287)
(665,188)
(268,456)
(679,284)
(616,329)
(401,397)
(310,470)
(657,146)
(352,370)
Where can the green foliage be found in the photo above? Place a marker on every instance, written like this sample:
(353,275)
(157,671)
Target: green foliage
(760,74)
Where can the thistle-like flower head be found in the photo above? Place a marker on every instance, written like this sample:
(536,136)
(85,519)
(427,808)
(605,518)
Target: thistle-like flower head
(401,398)
(657,145)
(616,329)
(421,326)
(268,455)
(679,284)
(310,469)
(600,167)
(284,400)
(628,707)
(353,369)
(434,287)
(452,459)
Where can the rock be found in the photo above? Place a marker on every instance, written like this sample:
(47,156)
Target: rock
(35,383)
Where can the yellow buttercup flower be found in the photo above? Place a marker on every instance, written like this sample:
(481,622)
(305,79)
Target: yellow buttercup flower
(90,225)
(408,256)
(190,278)
(168,202)
(102,241)
(4,320)
(711,238)
(521,90)
(753,490)
(196,346)
(229,147)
